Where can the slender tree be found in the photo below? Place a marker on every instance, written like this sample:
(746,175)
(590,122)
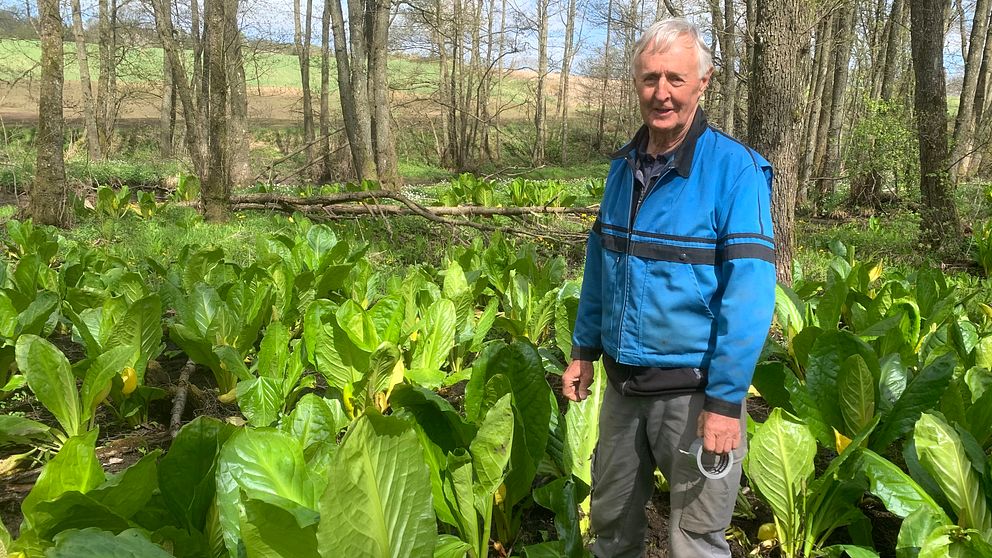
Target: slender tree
(939,224)
(216,189)
(382,137)
(89,110)
(325,93)
(964,123)
(566,70)
(301,39)
(540,119)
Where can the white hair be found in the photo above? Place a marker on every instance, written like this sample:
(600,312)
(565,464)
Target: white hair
(662,35)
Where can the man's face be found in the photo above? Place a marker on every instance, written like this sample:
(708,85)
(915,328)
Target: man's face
(669,88)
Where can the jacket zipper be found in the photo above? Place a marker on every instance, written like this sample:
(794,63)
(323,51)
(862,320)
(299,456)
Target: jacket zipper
(630,232)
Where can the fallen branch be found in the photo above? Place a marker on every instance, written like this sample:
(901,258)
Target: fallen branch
(179,402)
(253,201)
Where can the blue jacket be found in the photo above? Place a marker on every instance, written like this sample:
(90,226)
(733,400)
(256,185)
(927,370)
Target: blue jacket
(690,284)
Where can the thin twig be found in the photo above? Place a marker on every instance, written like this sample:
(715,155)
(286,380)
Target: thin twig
(179,402)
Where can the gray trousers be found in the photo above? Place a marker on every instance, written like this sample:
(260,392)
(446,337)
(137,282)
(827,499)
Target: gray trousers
(637,434)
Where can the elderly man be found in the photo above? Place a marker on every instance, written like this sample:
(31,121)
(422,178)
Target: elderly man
(677,298)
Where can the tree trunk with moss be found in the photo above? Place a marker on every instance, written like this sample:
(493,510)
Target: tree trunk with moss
(47,201)
(774,120)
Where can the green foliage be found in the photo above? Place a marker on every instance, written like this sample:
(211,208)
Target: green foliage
(884,142)
(467,189)
(982,242)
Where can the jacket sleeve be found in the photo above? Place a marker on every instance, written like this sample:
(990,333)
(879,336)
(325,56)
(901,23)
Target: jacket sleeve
(586,340)
(746,291)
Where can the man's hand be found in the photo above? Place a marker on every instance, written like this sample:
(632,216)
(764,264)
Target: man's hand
(720,434)
(576,379)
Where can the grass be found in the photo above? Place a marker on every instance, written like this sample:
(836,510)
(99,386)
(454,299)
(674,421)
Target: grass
(409,76)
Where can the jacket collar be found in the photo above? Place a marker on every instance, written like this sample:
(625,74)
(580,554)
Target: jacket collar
(683,153)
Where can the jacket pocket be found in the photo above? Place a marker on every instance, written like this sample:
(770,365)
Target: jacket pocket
(673,318)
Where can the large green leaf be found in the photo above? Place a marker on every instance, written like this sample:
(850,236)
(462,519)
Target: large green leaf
(450,546)
(50,377)
(826,360)
(261,400)
(899,493)
(315,420)
(520,364)
(951,541)
(437,336)
(74,468)
(73,510)
(914,531)
(490,449)
(780,463)
(96,543)
(582,424)
(33,318)
(922,393)
(358,325)
(562,496)
(856,388)
(892,382)
(435,415)
(329,348)
(16,430)
(141,327)
(273,353)
(259,463)
(380,501)
(943,456)
(283,530)
(129,491)
(828,309)
(186,474)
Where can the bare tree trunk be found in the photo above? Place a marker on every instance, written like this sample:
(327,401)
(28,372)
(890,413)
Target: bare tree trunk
(325,93)
(302,38)
(359,81)
(238,139)
(983,110)
(821,56)
(89,110)
(540,125)
(715,99)
(773,118)
(844,33)
(728,49)
(196,130)
(47,201)
(385,146)
(601,127)
(893,46)
(566,69)
(216,190)
(361,144)
(200,54)
(486,86)
(499,75)
(167,114)
(108,69)
(964,123)
(939,223)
